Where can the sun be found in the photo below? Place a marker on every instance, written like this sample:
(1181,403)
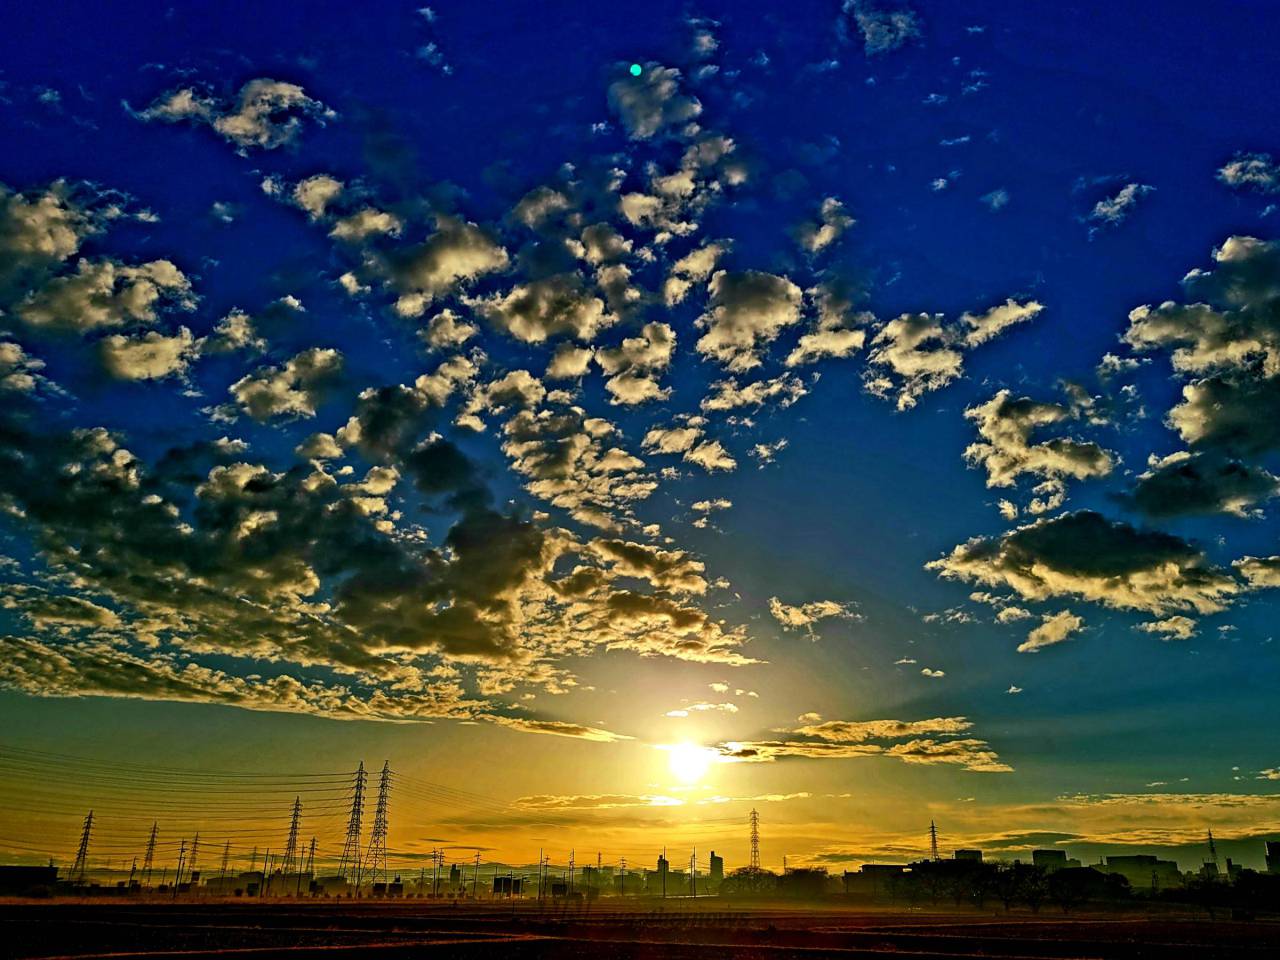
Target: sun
(689,762)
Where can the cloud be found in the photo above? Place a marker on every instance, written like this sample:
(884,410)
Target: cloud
(99,669)
(729,395)
(40,230)
(556,728)
(1186,484)
(931,673)
(693,267)
(1054,628)
(1171,628)
(295,388)
(596,801)
(105,293)
(1085,555)
(916,353)
(703,707)
(447,331)
(1006,425)
(19,371)
(634,364)
(690,442)
(1235,330)
(996,199)
(837,739)
(671,570)
(860,731)
(1251,171)
(1229,338)
(807,614)
(884,27)
(554,306)
(836,332)
(832,221)
(457,252)
(979,328)
(651,103)
(267,113)
(314,194)
(1260,572)
(707,506)
(1115,210)
(569,362)
(766,453)
(747,311)
(152,356)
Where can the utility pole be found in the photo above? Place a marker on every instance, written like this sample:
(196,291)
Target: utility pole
(191,866)
(349,865)
(148,858)
(292,857)
(755,842)
(79,872)
(376,856)
(177,877)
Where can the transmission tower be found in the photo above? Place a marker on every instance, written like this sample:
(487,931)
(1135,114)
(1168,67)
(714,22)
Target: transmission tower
(226,857)
(375,859)
(148,858)
(933,841)
(80,871)
(755,842)
(693,873)
(1213,853)
(195,848)
(292,856)
(349,865)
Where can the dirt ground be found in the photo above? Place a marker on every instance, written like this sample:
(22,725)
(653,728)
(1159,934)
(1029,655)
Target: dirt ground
(671,930)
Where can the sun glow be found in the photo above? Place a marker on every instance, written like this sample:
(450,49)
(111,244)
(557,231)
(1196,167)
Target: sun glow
(690,762)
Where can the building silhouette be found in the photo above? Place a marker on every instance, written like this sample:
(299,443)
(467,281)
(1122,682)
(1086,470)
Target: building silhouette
(715,872)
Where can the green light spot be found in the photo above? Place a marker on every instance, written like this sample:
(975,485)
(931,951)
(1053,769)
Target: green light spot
(636,70)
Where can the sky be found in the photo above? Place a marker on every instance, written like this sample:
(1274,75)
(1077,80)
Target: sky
(618,417)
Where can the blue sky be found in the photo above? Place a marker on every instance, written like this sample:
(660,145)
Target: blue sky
(422,369)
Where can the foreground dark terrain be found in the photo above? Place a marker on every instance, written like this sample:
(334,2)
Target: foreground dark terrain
(676,930)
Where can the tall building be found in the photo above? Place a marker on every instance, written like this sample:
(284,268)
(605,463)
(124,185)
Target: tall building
(1049,859)
(715,872)
(975,855)
(1145,872)
(660,879)
(1273,856)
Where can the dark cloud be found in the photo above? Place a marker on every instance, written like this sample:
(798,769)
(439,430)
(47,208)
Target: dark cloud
(1083,554)
(1185,484)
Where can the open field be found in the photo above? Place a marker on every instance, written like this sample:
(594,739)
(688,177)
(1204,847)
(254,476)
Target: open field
(678,930)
